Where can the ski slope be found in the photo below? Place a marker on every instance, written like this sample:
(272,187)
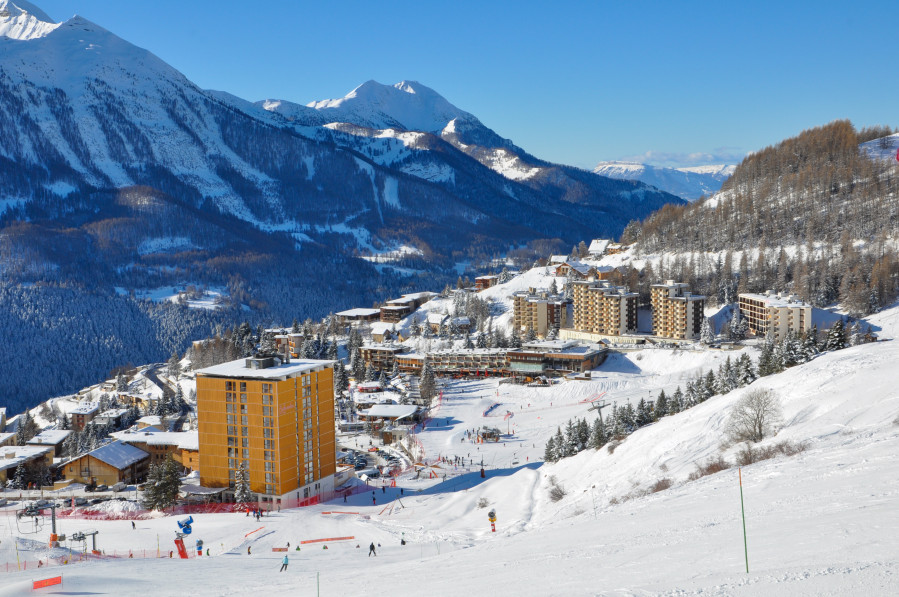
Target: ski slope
(822,522)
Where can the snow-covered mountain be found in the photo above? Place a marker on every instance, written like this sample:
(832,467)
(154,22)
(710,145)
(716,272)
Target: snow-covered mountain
(22,20)
(688,183)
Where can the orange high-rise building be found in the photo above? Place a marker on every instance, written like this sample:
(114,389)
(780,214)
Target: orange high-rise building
(275,416)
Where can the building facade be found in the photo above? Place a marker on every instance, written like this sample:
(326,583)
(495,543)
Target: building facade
(676,312)
(602,308)
(776,314)
(274,417)
(538,310)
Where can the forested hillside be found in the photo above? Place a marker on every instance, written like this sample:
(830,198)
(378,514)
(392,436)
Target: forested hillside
(813,214)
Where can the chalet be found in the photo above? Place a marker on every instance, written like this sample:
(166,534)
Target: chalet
(575,269)
(485,282)
(7,439)
(385,332)
(183,447)
(557,259)
(83,414)
(51,437)
(615,248)
(435,320)
(12,456)
(149,421)
(395,310)
(381,356)
(410,362)
(112,417)
(475,362)
(395,313)
(110,464)
(598,247)
(392,421)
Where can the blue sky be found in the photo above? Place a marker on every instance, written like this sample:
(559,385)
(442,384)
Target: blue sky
(671,83)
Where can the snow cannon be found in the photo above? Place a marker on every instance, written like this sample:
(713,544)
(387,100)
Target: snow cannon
(184,525)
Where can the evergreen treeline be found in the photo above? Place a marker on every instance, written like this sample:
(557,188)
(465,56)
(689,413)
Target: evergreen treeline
(817,192)
(732,374)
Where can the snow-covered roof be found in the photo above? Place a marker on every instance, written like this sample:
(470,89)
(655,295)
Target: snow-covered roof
(437,318)
(359,312)
(13,456)
(369,386)
(239,369)
(118,454)
(85,409)
(5,436)
(489,277)
(50,436)
(382,346)
(579,266)
(186,440)
(777,300)
(379,327)
(390,411)
(420,295)
(598,246)
(461,321)
(113,413)
(151,420)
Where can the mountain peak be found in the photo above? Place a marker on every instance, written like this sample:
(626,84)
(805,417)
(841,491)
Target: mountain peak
(407,105)
(22,20)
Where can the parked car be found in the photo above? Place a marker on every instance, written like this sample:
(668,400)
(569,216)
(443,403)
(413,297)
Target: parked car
(119,486)
(80,501)
(102,488)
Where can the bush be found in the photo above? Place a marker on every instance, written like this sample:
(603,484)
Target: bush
(612,445)
(660,485)
(556,491)
(483,503)
(754,417)
(748,454)
(710,467)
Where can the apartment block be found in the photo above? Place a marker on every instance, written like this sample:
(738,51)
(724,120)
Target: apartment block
(602,308)
(775,313)
(538,310)
(274,415)
(676,312)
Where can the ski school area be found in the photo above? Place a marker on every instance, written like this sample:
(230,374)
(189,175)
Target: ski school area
(525,528)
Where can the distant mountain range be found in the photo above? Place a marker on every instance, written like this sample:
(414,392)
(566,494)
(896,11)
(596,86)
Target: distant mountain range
(118,175)
(687,183)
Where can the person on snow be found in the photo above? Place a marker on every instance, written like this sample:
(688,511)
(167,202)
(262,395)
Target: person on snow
(248,549)
(371,550)
(283,564)
(132,526)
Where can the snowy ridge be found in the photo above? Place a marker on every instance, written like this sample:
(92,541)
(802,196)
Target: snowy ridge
(22,20)
(688,183)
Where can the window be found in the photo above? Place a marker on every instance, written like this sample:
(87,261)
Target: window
(269,477)
(270,466)
(244,420)
(243,386)
(269,444)
(245,453)
(266,410)
(243,397)
(269,455)
(307,391)
(266,400)
(267,422)
(232,452)
(266,388)
(270,489)
(244,431)
(232,463)
(232,430)
(232,419)
(307,379)
(232,441)
(243,409)
(244,442)
(229,385)
(230,396)
(229,408)
(231,474)
(268,432)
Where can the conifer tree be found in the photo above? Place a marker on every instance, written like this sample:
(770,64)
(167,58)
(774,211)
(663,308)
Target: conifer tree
(598,436)
(549,453)
(163,484)
(661,406)
(836,337)
(676,403)
(706,332)
(242,493)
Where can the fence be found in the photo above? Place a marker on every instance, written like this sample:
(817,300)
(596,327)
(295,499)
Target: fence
(86,558)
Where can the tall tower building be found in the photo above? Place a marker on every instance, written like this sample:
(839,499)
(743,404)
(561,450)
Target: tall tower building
(676,312)
(274,416)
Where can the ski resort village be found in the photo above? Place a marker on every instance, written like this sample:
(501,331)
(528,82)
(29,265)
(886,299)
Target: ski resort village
(261,342)
(483,431)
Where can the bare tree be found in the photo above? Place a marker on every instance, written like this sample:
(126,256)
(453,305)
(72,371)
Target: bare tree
(755,416)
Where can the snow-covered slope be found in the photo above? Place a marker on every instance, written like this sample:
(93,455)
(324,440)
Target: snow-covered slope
(821,522)
(687,183)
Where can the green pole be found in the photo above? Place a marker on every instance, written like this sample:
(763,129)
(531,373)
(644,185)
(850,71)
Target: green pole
(743,512)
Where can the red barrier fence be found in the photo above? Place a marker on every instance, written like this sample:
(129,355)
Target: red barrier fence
(47,582)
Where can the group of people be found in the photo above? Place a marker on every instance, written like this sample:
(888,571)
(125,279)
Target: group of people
(256,512)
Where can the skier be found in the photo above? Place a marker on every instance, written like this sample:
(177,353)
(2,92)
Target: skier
(248,550)
(132,526)
(371,550)
(283,564)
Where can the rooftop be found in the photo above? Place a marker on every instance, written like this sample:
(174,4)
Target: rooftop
(186,440)
(50,436)
(13,456)
(239,369)
(358,312)
(776,300)
(118,454)
(85,409)
(390,411)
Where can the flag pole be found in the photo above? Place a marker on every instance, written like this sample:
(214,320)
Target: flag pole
(743,512)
